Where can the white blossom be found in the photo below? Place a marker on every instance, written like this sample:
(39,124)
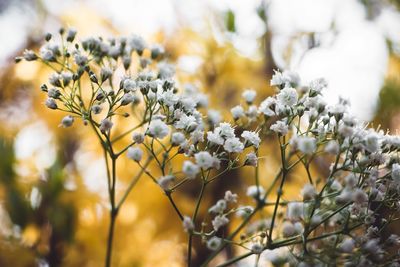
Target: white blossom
(287,96)
(252,138)
(219,221)
(187,223)
(306,144)
(233,145)
(204,160)
(249,95)
(135,153)
(237,112)
(190,169)
(280,127)
(158,129)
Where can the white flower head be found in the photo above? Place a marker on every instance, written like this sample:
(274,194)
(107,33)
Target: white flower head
(67,121)
(230,197)
(295,210)
(233,145)
(255,191)
(287,96)
(308,192)
(204,160)
(106,125)
(251,159)
(165,181)
(215,137)
(280,127)
(307,145)
(190,169)
(237,112)
(214,243)
(219,221)
(267,107)
(138,137)
(332,147)
(188,224)
(177,138)
(214,116)
(251,138)
(158,129)
(249,95)
(135,153)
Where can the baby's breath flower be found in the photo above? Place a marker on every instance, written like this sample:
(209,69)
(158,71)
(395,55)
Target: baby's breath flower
(251,138)
(308,192)
(187,223)
(295,210)
(214,117)
(219,207)
(105,74)
(249,95)
(51,103)
(255,191)
(332,147)
(214,243)
(96,109)
(165,181)
(204,160)
(190,169)
(237,112)
(347,245)
(287,97)
(317,85)
(280,127)
(251,159)
(138,137)
(230,197)
(306,145)
(257,248)
(67,121)
(137,43)
(288,229)
(106,125)
(126,99)
(215,137)
(158,129)
(233,145)
(267,107)
(177,138)
(54,93)
(219,221)
(244,211)
(135,153)
(29,55)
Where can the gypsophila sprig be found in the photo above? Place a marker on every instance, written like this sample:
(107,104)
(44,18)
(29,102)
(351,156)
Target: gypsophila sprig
(338,216)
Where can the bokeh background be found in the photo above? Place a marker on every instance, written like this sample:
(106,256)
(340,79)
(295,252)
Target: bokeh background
(53,199)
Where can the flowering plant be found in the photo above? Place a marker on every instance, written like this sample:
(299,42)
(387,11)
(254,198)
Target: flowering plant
(342,216)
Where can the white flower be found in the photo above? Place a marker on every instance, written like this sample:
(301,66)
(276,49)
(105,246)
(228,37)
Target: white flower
(244,211)
(252,138)
(308,192)
(129,85)
(255,191)
(177,138)
(138,137)
(126,99)
(266,107)
(237,112)
(51,103)
(187,223)
(219,207)
(287,96)
(359,196)
(219,221)
(347,245)
(290,78)
(197,136)
(226,130)
(277,79)
(137,43)
(215,137)
(251,159)
(233,145)
(306,144)
(165,181)
(396,172)
(214,243)
(67,121)
(295,210)
(372,143)
(230,197)
(288,229)
(190,169)
(317,85)
(332,147)
(169,98)
(204,160)
(158,129)
(257,248)
(280,127)
(106,125)
(135,153)
(214,116)
(249,95)
(186,122)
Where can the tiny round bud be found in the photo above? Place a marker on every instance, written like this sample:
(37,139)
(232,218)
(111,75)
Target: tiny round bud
(51,103)
(67,121)
(138,137)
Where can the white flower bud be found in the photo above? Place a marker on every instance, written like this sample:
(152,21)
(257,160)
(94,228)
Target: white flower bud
(190,169)
(67,121)
(187,223)
(51,103)
(138,138)
(135,153)
(106,125)
(214,243)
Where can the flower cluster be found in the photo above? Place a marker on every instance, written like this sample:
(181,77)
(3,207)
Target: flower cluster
(338,217)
